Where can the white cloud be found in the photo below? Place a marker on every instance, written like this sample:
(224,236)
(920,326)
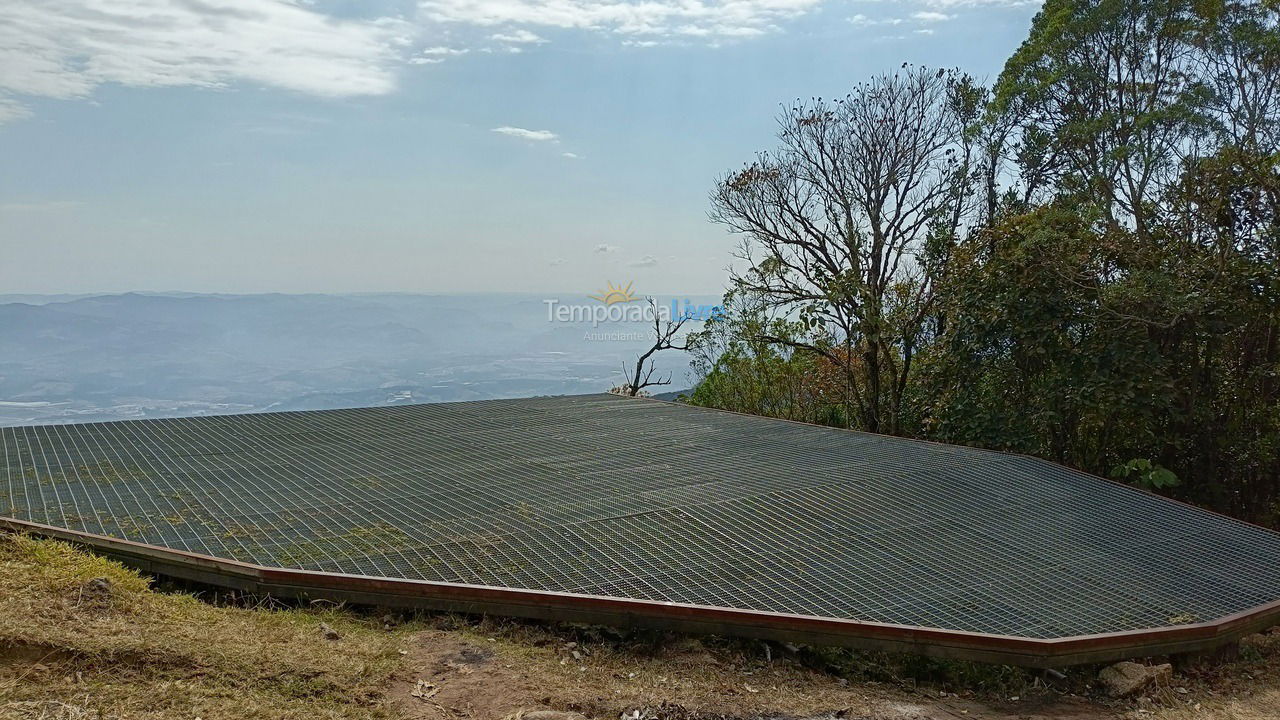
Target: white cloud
(441,51)
(606,249)
(536,135)
(433,55)
(863,21)
(924,31)
(11,110)
(67,48)
(693,18)
(571,156)
(519,36)
(646,261)
(557,262)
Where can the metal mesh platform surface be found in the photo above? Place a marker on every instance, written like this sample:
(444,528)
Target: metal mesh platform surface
(632,498)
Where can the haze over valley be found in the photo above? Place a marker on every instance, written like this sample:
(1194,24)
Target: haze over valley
(71,358)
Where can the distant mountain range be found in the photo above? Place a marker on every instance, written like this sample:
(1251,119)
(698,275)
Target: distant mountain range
(107,357)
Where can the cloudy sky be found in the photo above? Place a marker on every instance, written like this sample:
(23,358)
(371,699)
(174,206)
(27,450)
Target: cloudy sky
(416,145)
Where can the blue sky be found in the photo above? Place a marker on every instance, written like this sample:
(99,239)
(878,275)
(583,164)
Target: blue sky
(431,146)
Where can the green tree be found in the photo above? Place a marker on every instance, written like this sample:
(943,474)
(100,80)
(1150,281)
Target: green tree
(1091,260)
(1106,101)
(1042,353)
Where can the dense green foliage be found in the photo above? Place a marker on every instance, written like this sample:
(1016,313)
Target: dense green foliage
(1103,290)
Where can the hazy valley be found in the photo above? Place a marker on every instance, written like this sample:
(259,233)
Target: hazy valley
(110,357)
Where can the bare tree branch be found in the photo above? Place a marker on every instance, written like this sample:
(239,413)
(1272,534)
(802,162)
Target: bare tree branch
(664,333)
(835,222)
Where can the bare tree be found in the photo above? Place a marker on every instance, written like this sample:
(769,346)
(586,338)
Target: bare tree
(664,334)
(835,224)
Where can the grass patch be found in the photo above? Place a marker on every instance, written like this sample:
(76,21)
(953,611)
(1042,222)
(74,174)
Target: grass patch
(81,636)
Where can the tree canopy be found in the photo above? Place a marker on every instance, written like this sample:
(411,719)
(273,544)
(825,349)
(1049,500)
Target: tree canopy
(1078,262)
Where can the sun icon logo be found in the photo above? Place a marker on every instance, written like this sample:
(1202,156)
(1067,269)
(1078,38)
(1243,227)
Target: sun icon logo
(615,294)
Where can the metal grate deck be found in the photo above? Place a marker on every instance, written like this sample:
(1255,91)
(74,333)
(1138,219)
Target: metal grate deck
(603,495)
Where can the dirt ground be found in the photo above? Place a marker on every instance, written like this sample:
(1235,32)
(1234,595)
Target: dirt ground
(510,667)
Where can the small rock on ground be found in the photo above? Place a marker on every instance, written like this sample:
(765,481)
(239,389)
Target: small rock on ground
(96,592)
(1128,678)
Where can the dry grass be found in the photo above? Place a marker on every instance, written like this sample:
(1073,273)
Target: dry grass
(70,648)
(1247,689)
